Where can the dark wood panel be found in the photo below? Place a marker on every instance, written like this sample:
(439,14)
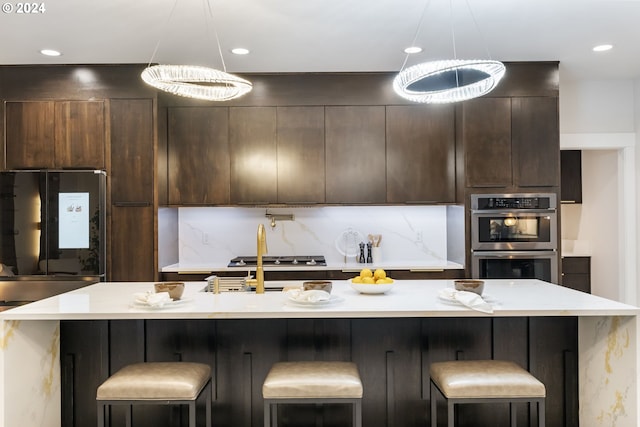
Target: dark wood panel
(132,150)
(420,154)
(393,356)
(30,134)
(576,264)
(301,155)
(198,159)
(84,365)
(252,146)
(521,79)
(536,142)
(355,162)
(486,128)
(73,82)
(132,244)
(79,134)
(553,360)
(571,176)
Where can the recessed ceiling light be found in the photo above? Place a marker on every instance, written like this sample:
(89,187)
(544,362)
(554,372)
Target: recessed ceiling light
(413,49)
(240,51)
(50,52)
(602,48)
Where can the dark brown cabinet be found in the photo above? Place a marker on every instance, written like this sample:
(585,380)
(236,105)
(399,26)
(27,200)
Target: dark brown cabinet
(253,155)
(198,156)
(55,134)
(301,155)
(420,154)
(132,247)
(576,273)
(486,132)
(355,157)
(535,142)
(571,176)
(132,251)
(511,142)
(132,150)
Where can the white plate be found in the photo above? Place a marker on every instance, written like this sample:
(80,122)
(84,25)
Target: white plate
(170,304)
(366,288)
(308,304)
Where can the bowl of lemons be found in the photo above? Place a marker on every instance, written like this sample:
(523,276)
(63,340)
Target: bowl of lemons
(372,282)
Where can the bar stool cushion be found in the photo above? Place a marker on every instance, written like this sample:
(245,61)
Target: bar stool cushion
(485,379)
(156,381)
(294,380)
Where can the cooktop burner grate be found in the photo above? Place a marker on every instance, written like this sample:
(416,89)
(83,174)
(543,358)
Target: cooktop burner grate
(272,261)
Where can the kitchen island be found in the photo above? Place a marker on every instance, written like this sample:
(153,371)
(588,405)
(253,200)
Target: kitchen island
(54,352)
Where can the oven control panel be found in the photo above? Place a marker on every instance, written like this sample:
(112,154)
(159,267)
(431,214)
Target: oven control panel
(513,201)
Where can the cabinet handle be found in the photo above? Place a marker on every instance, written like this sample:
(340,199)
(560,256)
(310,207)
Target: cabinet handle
(567,201)
(301,203)
(426,270)
(421,202)
(131,204)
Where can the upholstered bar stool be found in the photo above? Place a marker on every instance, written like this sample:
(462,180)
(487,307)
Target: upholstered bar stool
(483,381)
(157,383)
(312,382)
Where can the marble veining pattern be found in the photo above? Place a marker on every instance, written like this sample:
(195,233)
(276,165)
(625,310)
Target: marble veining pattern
(409,234)
(607,371)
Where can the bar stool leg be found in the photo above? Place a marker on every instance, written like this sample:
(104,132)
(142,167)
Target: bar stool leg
(450,414)
(541,414)
(512,411)
(100,415)
(209,402)
(434,415)
(357,414)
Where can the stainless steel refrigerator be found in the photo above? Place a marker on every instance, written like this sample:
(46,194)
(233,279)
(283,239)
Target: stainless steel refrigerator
(52,232)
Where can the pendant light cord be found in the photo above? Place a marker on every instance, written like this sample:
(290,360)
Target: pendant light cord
(475,23)
(164,31)
(417,32)
(215,32)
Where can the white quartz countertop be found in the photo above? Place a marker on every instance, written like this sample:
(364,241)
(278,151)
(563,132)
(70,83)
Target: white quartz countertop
(349,267)
(407,298)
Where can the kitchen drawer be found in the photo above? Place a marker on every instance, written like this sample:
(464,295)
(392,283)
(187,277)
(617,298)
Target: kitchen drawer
(576,265)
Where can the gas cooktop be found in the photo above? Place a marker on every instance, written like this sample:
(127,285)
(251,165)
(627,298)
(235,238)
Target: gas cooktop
(279,261)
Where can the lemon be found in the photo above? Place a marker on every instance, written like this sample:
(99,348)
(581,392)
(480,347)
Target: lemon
(381,281)
(357,279)
(379,274)
(366,273)
(387,280)
(368,280)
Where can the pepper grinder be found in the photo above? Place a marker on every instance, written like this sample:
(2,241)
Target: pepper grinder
(361,257)
(369,257)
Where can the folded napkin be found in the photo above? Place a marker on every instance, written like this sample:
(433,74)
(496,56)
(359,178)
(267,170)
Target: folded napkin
(152,299)
(312,295)
(468,299)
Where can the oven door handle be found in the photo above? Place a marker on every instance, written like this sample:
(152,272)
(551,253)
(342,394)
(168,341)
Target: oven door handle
(513,212)
(512,254)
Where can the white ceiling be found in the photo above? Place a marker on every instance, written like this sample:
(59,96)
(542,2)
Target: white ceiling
(329,35)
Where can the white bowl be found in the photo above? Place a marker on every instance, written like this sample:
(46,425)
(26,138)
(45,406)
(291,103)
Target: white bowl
(366,288)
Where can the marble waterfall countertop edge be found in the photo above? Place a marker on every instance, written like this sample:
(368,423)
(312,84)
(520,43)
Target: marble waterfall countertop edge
(408,298)
(396,265)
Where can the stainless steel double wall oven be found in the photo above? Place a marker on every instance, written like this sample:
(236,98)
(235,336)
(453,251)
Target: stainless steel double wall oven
(514,236)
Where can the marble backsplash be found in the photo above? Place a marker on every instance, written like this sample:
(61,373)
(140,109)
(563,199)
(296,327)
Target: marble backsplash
(213,235)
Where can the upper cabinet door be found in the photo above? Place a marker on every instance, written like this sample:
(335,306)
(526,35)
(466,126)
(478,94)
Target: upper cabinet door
(253,154)
(486,134)
(79,134)
(420,154)
(132,150)
(55,134)
(198,159)
(301,153)
(355,154)
(536,142)
(29,134)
